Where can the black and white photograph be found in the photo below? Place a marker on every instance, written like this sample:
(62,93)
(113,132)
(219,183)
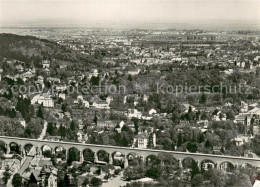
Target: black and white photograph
(129,93)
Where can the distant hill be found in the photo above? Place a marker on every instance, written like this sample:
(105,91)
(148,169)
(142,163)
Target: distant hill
(30,48)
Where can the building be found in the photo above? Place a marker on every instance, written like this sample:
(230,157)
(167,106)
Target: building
(106,123)
(133,113)
(45,64)
(46,100)
(141,140)
(13,165)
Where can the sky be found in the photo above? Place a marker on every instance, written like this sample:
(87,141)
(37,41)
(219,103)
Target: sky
(130,10)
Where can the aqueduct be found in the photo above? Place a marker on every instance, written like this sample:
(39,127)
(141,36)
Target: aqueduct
(217,161)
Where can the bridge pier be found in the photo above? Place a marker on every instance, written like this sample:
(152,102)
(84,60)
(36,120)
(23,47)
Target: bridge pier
(125,162)
(53,151)
(7,148)
(81,156)
(180,163)
(95,157)
(38,151)
(110,158)
(66,154)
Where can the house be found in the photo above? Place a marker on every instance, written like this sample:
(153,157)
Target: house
(45,64)
(82,137)
(141,140)
(241,140)
(119,126)
(47,176)
(40,80)
(254,111)
(100,104)
(62,96)
(187,107)
(53,79)
(240,118)
(244,106)
(61,88)
(133,72)
(184,122)
(22,122)
(256,130)
(19,68)
(106,123)
(46,100)
(13,165)
(152,112)
(134,113)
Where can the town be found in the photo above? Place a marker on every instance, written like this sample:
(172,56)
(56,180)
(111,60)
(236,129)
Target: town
(155,102)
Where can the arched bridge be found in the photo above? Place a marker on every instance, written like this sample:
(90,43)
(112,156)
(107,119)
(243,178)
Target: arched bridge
(216,161)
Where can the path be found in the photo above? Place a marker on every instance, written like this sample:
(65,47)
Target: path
(43,130)
(115,182)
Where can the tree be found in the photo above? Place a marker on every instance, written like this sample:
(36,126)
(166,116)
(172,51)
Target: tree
(72,156)
(40,112)
(256,144)
(194,169)
(208,144)
(150,141)
(72,126)
(64,107)
(201,138)
(50,129)
(86,182)
(203,99)
(130,78)
(62,131)
(230,115)
(133,173)
(179,142)
(17,180)
(192,147)
(95,119)
(6,177)
(95,181)
(197,180)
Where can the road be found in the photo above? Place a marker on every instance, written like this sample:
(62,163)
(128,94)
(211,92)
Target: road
(115,182)
(45,124)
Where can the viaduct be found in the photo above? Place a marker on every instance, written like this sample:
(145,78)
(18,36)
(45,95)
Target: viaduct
(217,161)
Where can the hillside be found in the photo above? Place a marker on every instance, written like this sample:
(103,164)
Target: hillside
(30,48)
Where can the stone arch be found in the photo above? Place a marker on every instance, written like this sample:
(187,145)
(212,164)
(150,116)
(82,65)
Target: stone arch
(60,152)
(151,160)
(3,146)
(226,166)
(247,165)
(30,149)
(14,148)
(133,159)
(46,151)
(73,155)
(88,155)
(188,162)
(103,156)
(168,159)
(207,164)
(118,158)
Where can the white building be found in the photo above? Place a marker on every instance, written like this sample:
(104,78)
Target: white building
(133,113)
(46,100)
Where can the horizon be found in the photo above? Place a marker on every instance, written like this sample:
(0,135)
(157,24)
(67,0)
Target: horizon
(193,13)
